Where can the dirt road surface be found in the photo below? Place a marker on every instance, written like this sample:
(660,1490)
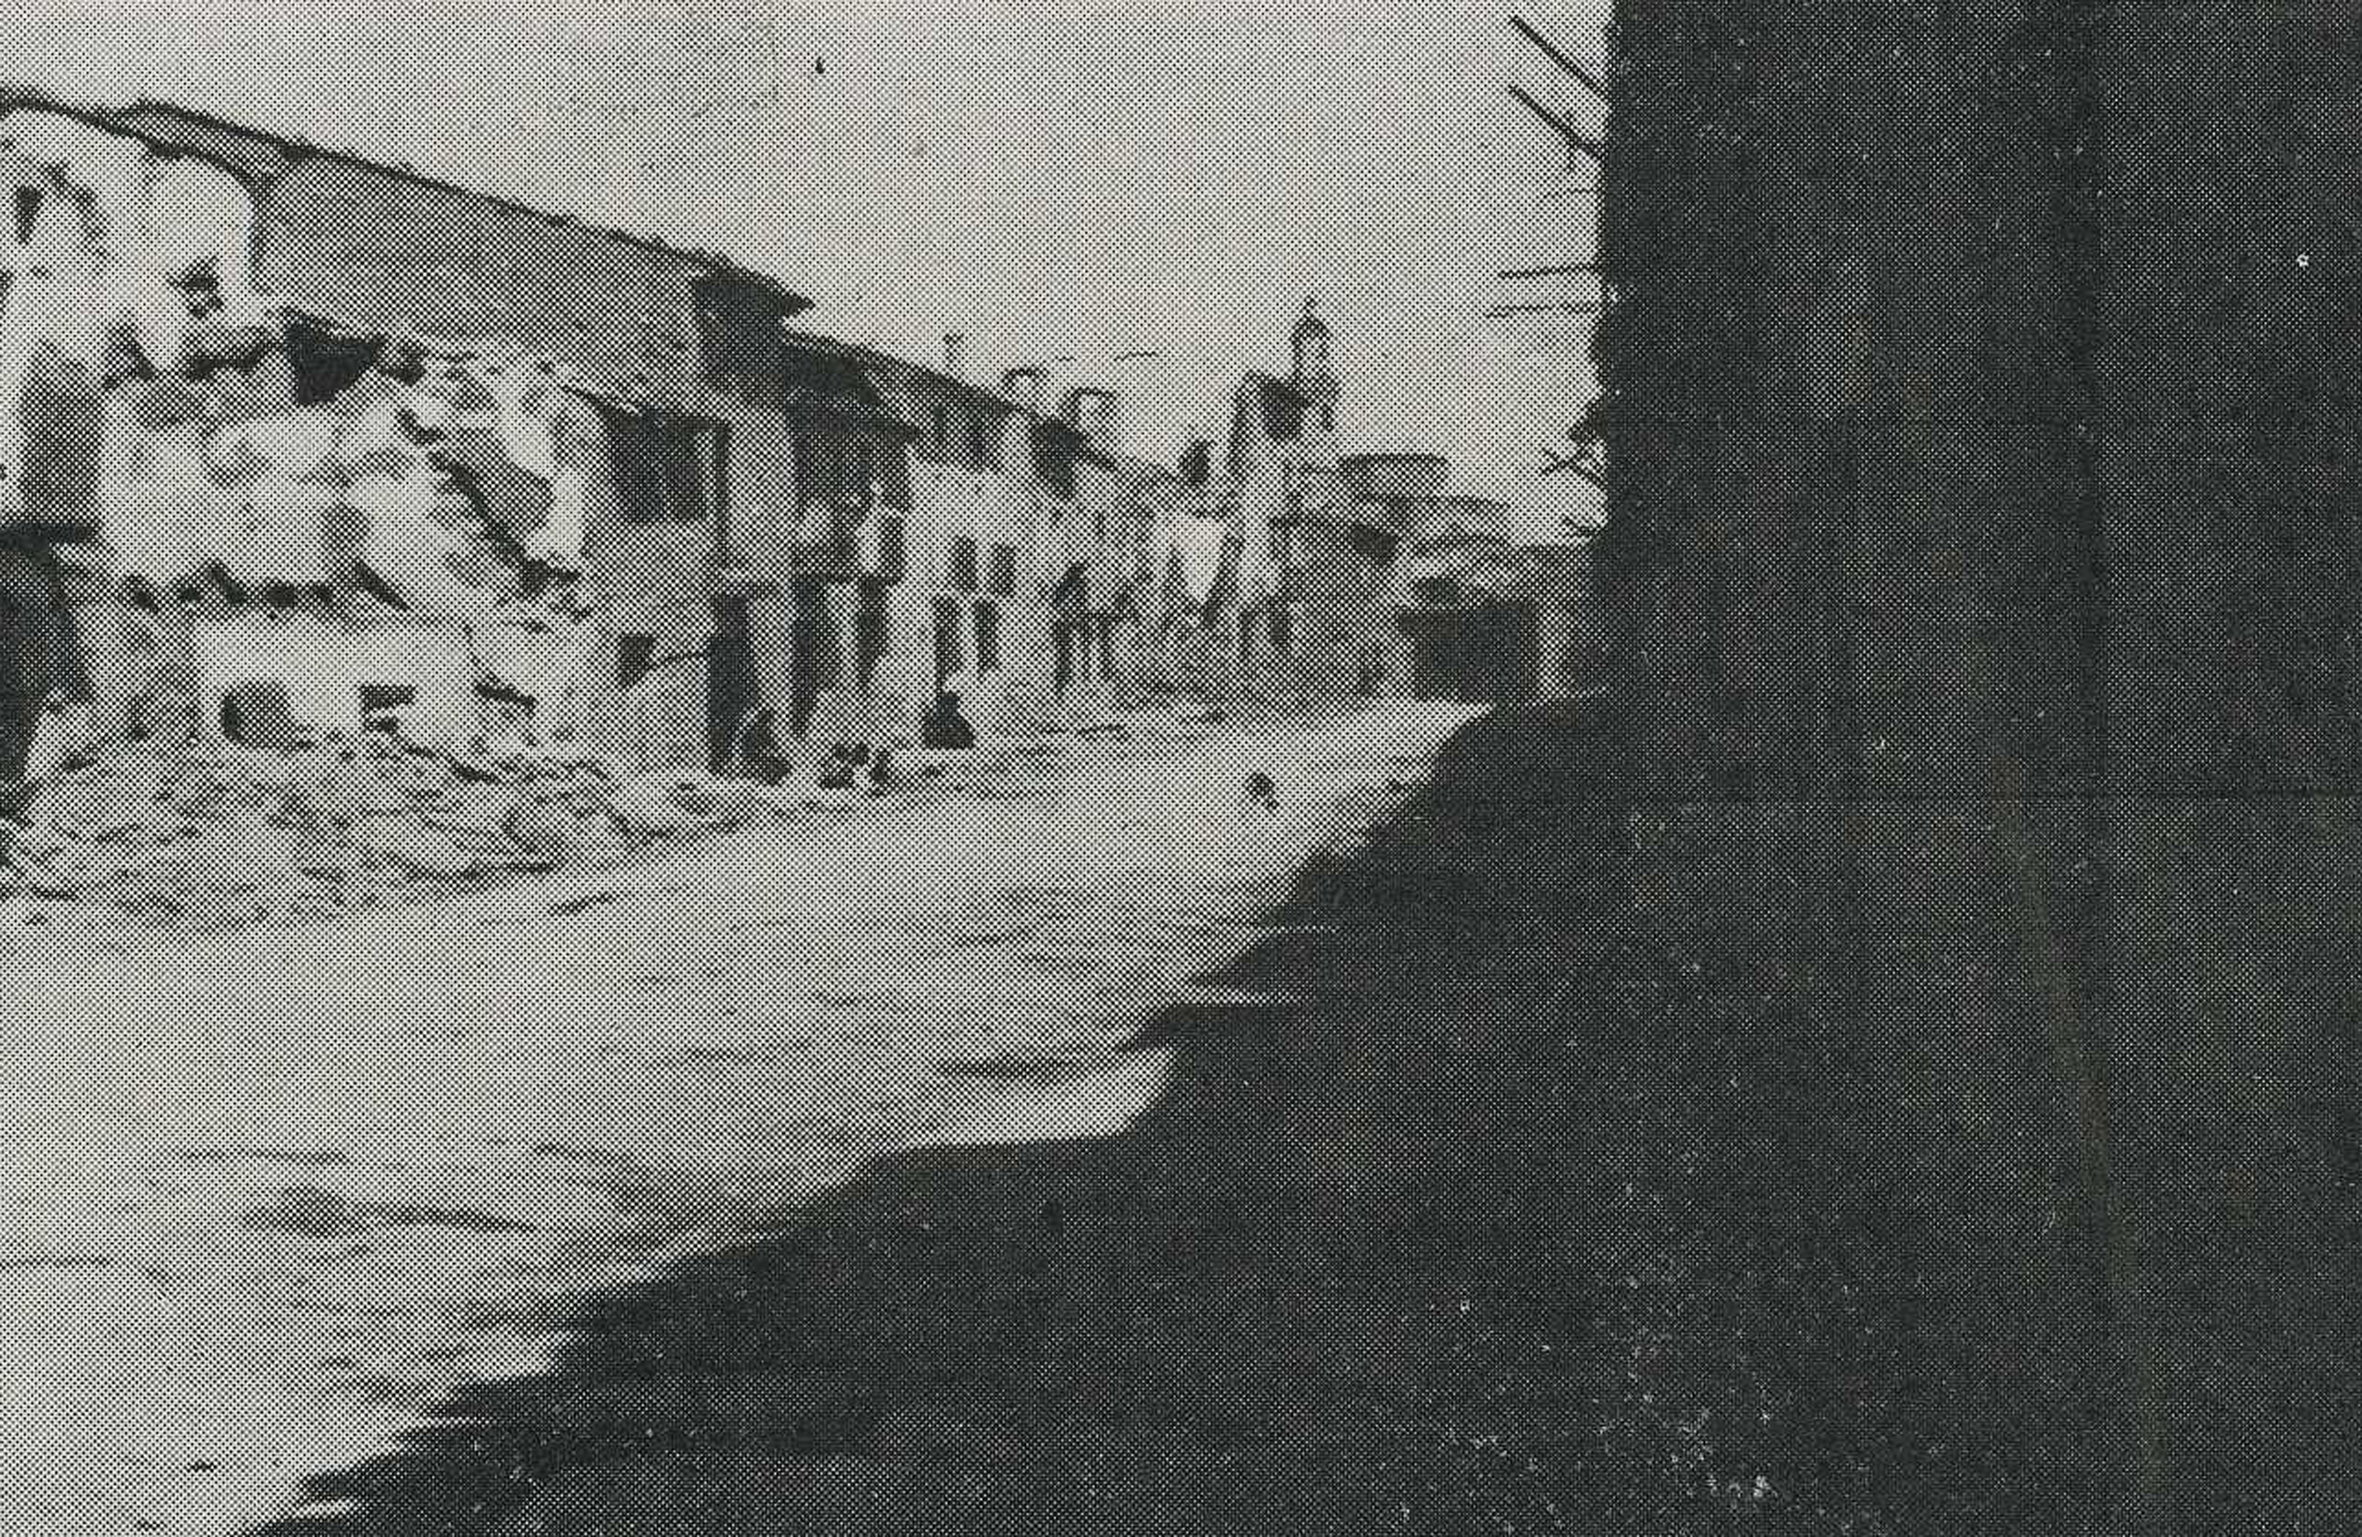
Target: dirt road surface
(267,1198)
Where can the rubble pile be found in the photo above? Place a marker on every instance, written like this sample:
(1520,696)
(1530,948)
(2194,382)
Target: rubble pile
(214,834)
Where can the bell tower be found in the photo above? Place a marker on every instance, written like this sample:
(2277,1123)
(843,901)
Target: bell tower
(1312,375)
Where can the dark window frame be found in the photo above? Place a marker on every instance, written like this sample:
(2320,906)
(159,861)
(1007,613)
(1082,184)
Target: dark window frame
(872,632)
(1057,458)
(635,659)
(893,547)
(670,467)
(983,444)
(987,622)
(1284,412)
(960,564)
(738,322)
(834,470)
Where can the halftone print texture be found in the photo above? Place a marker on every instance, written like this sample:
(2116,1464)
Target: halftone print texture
(638,896)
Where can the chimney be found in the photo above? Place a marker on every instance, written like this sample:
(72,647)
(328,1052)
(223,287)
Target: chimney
(1024,385)
(955,356)
(1097,414)
(1197,464)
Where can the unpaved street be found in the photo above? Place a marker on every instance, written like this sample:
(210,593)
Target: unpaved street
(268,1196)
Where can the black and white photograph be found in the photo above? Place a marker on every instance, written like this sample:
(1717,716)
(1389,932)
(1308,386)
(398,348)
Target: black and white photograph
(1075,768)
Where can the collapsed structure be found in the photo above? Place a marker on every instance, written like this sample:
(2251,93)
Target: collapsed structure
(272,470)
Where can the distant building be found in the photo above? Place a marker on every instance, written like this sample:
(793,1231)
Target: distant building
(1297,575)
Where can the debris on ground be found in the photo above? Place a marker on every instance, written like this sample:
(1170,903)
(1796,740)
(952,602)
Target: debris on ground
(211,834)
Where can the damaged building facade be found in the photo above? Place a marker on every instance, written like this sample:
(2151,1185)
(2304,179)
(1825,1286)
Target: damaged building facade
(296,439)
(989,544)
(690,529)
(977,546)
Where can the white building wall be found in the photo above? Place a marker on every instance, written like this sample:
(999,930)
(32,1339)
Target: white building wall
(992,508)
(322,663)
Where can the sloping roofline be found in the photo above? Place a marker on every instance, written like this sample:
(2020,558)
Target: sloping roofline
(813,341)
(871,357)
(126,121)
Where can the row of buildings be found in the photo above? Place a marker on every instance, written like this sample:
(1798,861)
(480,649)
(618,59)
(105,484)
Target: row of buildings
(289,440)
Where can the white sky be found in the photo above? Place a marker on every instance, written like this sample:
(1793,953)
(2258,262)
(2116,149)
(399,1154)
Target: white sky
(1050,178)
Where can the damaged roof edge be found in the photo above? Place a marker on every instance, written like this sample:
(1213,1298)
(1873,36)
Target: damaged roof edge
(422,347)
(128,120)
(438,348)
(16,100)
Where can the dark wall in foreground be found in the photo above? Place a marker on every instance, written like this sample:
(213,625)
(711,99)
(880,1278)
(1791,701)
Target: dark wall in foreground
(1983,392)
(1982,406)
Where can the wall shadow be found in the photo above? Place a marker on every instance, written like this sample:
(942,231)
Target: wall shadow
(1218,1319)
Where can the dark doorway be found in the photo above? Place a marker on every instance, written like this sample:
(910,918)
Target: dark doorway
(731,692)
(1062,644)
(815,664)
(871,631)
(988,637)
(950,640)
(39,650)
(1103,643)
